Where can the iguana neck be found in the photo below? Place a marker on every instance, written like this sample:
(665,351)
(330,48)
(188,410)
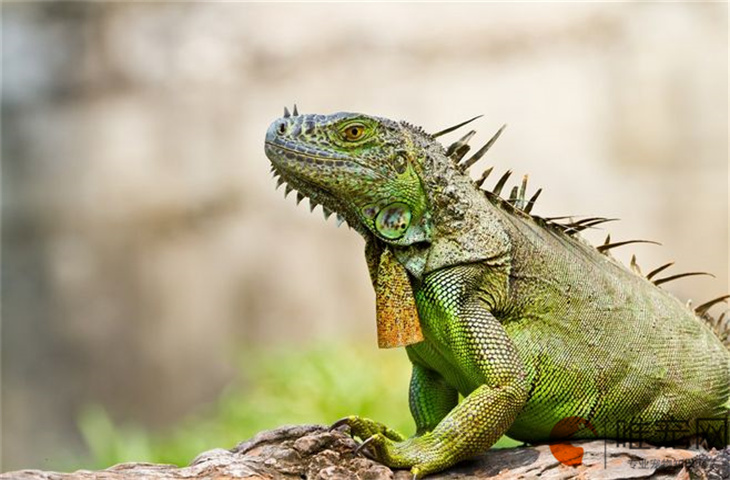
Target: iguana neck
(466,227)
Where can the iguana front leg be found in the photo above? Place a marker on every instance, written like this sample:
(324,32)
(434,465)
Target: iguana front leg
(470,428)
(429,397)
(481,354)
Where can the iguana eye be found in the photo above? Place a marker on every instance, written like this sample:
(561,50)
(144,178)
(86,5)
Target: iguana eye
(354,132)
(393,221)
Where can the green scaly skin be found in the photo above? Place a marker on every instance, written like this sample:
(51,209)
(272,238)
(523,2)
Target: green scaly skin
(528,323)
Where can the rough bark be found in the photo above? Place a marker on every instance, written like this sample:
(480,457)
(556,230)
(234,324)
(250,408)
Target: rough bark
(313,452)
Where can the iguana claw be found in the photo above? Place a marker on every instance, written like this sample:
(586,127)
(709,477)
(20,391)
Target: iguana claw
(339,423)
(364,444)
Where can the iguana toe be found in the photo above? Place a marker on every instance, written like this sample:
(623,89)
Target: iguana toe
(364,428)
(421,458)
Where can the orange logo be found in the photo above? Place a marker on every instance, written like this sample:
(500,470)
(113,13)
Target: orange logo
(564,452)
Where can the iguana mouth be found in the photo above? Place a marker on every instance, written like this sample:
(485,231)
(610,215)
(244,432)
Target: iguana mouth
(302,154)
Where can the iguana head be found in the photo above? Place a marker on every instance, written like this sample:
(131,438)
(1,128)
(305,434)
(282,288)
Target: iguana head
(362,167)
(393,183)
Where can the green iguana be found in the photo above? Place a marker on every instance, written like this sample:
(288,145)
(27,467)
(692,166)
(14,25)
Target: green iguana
(532,325)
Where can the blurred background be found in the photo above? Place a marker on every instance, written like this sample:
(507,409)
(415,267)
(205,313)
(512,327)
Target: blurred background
(160,298)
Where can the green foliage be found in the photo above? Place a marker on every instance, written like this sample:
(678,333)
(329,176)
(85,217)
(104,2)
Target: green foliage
(275,388)
(110,444)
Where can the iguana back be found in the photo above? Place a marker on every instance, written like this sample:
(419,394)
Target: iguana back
(624,348)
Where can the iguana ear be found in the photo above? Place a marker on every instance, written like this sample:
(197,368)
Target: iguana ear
(396,224)
(395,306)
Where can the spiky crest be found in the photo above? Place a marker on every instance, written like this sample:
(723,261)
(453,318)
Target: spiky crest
(459,148)
(417,129)
(658,270)
(635,266)
(720,325)
(455,127)
(659,281)
(480,153)
(517,204)
(607,246)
